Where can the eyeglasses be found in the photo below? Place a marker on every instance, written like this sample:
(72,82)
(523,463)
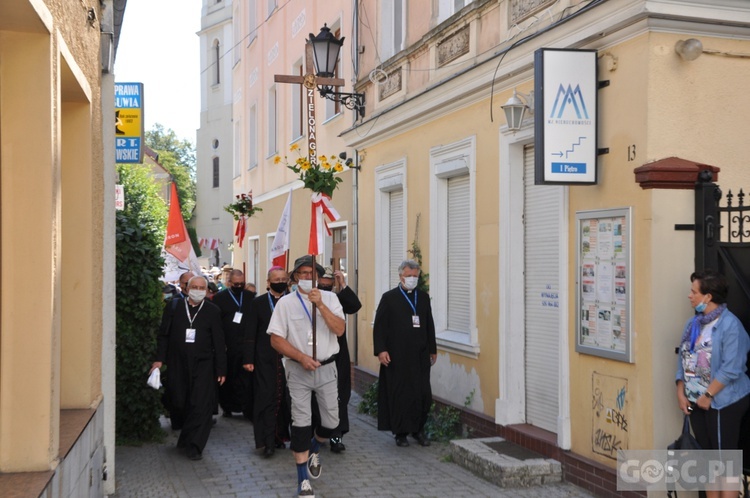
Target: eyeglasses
(305,273)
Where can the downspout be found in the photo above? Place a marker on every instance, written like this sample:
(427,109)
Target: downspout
(355,181)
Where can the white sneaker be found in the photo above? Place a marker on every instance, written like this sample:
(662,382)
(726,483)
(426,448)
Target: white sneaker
(313,465)
(306,490)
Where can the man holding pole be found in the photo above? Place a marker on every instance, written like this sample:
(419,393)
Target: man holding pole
(305,327)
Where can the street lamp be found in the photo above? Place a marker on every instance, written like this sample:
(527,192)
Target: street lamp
(326,48)
(515,109)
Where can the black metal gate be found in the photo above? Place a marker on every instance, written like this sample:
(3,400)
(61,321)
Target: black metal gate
(722,243)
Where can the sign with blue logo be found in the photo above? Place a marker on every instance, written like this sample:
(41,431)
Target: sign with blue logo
(128,122)
(565,117)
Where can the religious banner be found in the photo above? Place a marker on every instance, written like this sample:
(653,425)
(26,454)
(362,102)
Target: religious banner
(242,209)
(179,256)
(280,245)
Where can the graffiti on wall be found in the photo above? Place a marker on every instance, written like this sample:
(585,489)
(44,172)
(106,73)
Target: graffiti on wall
(609,406)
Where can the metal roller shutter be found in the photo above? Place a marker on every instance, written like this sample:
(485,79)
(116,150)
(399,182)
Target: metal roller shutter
(459,219)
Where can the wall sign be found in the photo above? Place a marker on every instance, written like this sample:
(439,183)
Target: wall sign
(604,281)
(565,116)
(128,122)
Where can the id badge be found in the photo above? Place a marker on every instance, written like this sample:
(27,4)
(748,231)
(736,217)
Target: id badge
(415,321)
(309,339)
(189,335)
(237,317)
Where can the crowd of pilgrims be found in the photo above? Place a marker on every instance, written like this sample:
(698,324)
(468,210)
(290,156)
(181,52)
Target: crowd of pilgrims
(221,344)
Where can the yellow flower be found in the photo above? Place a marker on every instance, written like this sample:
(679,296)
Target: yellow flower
(338,167)
(305,165)
(300,160)
(294,147)
(323,159)
(326,165)
(277,159)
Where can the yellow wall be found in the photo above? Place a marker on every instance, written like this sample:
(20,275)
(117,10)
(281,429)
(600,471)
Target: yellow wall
(51,190)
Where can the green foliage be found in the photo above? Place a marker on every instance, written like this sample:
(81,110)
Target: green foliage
(194,240)
(424,277)
(139,236)
(444,424)
(369,403)
(178,158)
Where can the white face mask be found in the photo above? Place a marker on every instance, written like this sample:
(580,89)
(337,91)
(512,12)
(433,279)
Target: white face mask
(197,295)
(410,283)
(305,286)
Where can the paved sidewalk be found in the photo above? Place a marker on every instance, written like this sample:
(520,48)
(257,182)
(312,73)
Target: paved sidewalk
(371,466)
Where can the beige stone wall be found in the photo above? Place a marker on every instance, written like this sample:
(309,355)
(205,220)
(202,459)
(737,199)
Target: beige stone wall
(51,193)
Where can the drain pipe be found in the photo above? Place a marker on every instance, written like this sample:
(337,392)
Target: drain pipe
(355,184)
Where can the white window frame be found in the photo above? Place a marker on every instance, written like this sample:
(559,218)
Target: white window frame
(388,178)
(447,161)
(216,59)
(253,260)
(298,112)
(273,140)
(237,159)
(252,137)
(389,17)
(269,243)
(328,242)
(331,106)
(447,8)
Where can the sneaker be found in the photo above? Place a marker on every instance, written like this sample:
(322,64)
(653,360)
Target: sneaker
(313,465)
(337,445)
(305,489)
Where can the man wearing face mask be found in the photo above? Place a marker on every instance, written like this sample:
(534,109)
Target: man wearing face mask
(234,302)
(307,372)
(334,281)
(271,404)
(404,342)
(191,344)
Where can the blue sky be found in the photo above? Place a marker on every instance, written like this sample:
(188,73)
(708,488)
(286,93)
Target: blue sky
(159,47)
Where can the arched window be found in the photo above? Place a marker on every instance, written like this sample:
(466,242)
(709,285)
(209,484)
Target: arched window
(216,59)
(216,172)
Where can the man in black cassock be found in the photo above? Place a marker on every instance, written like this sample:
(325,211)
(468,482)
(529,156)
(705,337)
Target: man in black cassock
(191,344)
(271,403)
(236,394)
(335,282)
(404,342)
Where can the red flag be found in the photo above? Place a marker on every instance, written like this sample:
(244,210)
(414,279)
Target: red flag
(176,241)
(321,208)
(280,244)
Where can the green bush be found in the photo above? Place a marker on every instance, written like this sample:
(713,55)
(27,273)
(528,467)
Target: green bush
(369,403)
(139,304)
(444,424)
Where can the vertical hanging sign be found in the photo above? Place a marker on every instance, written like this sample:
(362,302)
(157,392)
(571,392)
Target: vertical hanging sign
(565,116)
(128,122)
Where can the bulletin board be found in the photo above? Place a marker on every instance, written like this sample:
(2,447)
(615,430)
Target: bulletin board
(604,283)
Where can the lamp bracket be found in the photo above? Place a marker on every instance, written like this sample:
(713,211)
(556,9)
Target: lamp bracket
(602,150)
(603,84)
(352,101)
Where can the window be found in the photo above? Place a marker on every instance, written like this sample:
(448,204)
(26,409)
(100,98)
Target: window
(252,139)
(393,23)
(216,59)
(390,224)
(272,145)
(253,260)
(334,108)
(216,172)
(297,103)
(271,5)
(236,35)
(237,159)
(452,243)
(253,23)
(447,8)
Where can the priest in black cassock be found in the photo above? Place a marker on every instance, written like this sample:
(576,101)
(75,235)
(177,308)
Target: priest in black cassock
(404,342)
(236,395)
(191,344)
(272,414)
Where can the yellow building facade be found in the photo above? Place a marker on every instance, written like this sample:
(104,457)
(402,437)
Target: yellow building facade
(57,247)
(443,171)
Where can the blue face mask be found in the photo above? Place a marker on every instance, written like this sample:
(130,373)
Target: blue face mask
(700,307)
(294,288)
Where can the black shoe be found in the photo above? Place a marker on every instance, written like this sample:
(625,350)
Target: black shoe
(281,445)
(194,453)
(401,441)
(421,438)
(268,451)
(337,446)
(226,414)
(213,421)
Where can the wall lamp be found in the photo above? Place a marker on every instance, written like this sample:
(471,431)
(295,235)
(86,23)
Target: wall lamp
(348,161)
(515,109)
(689,49)
(326,48)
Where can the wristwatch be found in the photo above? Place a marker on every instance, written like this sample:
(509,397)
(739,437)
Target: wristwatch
(709,395)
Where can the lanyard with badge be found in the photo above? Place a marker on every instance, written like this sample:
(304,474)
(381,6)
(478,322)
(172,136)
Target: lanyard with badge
(414,317)
(307,312)
(190,333)
(237,314)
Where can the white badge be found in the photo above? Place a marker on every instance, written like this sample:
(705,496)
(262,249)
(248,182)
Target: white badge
(415,321)
(237,317)
(189,335)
